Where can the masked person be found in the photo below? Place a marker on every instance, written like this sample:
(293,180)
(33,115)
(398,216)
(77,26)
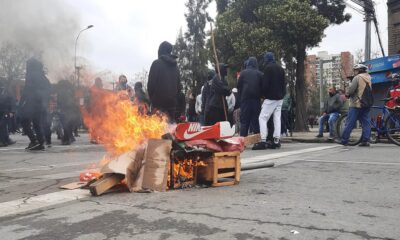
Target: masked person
(164,83)
(217,107)
(249,87)
(273,90)
(34,102)
(7,110)
(69,110)
(141,98)
(205,93)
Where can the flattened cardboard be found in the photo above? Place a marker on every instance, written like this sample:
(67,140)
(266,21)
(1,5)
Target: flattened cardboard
(74,185)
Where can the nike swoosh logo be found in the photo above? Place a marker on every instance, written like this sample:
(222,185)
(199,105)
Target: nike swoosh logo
(187,135)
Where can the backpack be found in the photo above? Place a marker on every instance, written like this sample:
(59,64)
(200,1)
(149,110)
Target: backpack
(367,99)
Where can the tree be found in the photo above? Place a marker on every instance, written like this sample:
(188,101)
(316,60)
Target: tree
(298,25)
(190,47)
(12,62)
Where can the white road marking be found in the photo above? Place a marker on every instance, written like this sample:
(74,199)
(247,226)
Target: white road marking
(267,157)
(37,202)
(34,203)
(351,162)
(49,167)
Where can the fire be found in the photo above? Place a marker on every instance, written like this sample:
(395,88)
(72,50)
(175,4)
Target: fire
(183,170)
(114,121)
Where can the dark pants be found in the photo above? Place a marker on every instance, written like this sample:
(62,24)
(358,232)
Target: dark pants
(285,125)
(355,114)
(214,115)
(249,113)
(68,127)
(271,129)
(4,135)
(47,127)
(34,120)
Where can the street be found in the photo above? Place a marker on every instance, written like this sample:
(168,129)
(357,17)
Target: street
(315,191)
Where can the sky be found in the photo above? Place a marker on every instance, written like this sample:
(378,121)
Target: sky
(127,33)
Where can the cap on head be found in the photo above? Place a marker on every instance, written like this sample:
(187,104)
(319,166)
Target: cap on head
(223,67)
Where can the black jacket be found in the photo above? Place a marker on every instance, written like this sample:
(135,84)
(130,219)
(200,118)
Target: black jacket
(273,84)
(7,102)
(249,83)
(218,90)
(36,94)
(164,80)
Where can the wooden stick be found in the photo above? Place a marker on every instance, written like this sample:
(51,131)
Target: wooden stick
(218,69)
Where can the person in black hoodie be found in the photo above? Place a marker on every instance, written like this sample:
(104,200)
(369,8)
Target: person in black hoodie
(7,110)
(249,87)
(206,92)
(34,101)
(164,82)
(273,90)
(216,105)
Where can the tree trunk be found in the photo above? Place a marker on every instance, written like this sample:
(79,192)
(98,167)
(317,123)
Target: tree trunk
(301,107)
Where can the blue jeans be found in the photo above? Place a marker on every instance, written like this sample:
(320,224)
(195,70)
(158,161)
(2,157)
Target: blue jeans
(355,114)
(331,117)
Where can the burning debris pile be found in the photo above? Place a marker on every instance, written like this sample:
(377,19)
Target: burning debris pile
(143,156)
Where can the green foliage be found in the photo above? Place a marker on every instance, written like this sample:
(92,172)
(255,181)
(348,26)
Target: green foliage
(190,47)
(287,27)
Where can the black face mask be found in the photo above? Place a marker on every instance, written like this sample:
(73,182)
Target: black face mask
(332,94)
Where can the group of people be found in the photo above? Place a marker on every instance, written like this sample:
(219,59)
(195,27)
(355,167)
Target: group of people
(257,98)
(360,102)
(258,104)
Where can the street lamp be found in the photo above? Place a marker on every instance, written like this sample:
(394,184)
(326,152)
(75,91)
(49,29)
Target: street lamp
(76,42)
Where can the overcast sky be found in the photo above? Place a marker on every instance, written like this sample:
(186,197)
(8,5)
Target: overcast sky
(127,33)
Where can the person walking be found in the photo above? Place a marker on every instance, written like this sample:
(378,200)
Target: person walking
(249,93)
(286,109)
(331,113)
(164,82)
(361,100)
(273,90)
(34,102)
(69,110)
(7,110)
(216,108)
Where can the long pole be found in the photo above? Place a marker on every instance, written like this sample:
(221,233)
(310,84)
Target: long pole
(76,43)
(321,82)
(218,70)
(368,19)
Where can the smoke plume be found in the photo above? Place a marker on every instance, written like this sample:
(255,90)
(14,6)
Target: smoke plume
(45,28)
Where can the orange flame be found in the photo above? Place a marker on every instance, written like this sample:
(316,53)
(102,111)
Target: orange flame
(117,123)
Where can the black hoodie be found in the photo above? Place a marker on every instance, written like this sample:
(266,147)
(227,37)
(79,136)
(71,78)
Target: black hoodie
(249,83)
(36,94)
(164,80)
(273,85)
(219,89)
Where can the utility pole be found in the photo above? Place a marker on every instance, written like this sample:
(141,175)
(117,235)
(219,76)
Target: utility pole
(368,20)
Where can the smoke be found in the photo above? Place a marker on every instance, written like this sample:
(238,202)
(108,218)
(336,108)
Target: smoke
(45,28)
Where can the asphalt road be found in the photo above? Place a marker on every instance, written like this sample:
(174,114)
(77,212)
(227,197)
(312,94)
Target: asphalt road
(315,191)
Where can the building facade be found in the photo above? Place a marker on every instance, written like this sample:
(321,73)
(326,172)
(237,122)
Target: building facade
(394,26)
(335,69)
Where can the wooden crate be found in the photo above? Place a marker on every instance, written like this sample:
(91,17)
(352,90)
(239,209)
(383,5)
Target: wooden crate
(223,169)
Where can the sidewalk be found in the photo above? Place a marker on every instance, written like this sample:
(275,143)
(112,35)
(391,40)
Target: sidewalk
(307,137)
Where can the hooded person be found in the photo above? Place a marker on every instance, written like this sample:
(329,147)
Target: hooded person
(249,95)
(273,89)
(34,101)
(216,105)
(164,83)
(7,110)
